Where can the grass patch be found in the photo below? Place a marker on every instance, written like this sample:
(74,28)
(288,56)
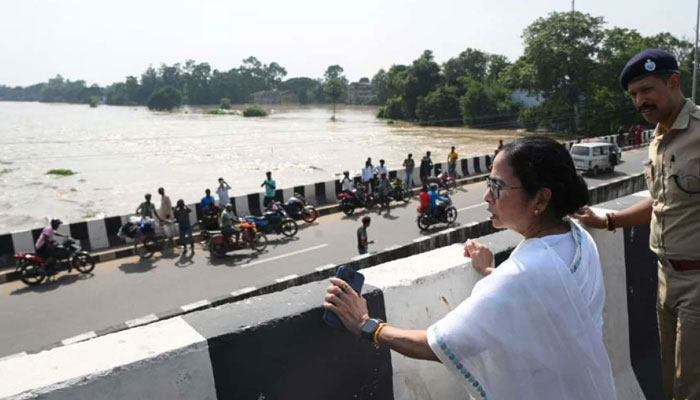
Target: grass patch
(221,111)
(61,172)
(254,111)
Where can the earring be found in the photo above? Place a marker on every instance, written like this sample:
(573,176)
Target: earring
(537,211)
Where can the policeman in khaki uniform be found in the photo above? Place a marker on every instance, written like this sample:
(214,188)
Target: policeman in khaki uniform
(652,79)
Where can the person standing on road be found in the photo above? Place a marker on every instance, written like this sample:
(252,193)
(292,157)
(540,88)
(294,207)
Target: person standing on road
(367,175)
(426,166)
(207,200)
(182,216)
(653,80)
(383,192)
(147,209)
(362,242)
(452,163)
(166,206)
(222,192)
(381,169)
(270,187)
(409,163)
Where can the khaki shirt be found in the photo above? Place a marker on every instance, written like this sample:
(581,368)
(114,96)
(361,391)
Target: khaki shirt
(673,170)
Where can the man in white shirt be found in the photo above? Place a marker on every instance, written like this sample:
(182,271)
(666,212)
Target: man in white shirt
(367,175)
(222,192)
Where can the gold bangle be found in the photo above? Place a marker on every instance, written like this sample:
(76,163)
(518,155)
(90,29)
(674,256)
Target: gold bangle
(376,333)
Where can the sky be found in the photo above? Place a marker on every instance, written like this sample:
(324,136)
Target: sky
(103,41)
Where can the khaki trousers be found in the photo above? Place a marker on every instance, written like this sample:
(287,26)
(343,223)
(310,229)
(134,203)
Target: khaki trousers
(678,313)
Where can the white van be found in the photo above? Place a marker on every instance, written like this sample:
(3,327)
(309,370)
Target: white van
(595,157)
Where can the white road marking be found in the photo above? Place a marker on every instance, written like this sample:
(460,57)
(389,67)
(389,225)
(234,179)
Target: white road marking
(320,246)
(394,247)
(361,256)
(142,321)
(470,207)
(286,278)
(420,239)
(325,267)
(243,291)
(195,305)
(79,338)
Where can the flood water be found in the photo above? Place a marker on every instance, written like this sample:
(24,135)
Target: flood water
(121,153)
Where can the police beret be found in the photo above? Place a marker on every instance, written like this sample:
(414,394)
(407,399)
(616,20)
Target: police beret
(648,62)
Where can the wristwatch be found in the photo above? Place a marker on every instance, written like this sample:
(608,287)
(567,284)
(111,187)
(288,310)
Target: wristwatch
(370,327)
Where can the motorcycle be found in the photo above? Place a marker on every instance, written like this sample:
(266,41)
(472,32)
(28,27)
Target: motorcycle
(250,237)
(399,192)
(32,267)
(148,237)
(297,208)
(447,214)
(275,220)
(359,197)
(208,223)
(445,181)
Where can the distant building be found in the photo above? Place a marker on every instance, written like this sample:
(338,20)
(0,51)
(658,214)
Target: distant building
(273,97)
(360,92)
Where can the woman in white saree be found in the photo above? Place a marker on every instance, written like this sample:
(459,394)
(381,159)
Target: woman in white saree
(532,328)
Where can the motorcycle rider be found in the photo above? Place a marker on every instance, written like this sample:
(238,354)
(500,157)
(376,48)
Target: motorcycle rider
(434,197)
(424,199)
(228,223)
(46,246)
(346,183)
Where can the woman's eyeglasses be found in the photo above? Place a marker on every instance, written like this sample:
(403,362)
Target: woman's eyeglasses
(495,186)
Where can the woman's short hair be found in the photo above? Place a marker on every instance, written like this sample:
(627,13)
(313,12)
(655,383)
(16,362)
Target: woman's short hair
(541,162)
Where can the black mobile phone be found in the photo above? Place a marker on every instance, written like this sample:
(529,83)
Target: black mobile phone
(355,279)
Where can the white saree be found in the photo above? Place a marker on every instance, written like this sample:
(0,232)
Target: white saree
(527,331)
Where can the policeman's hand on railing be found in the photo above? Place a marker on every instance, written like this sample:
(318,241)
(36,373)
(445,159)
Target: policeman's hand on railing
(589,218)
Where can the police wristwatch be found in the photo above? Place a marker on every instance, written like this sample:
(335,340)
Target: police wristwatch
(369,328)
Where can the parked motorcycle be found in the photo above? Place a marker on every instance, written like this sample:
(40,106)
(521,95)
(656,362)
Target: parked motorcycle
(357,198)
(32,268)
(208,223)
(399,192)
(276,221)
(296,207)
(250,237)
(447,214)
(147,235)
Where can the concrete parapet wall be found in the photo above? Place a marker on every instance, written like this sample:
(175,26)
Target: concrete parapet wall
(276,346)
(101,233)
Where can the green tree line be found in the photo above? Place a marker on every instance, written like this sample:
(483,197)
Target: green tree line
(571,63)
(194,83)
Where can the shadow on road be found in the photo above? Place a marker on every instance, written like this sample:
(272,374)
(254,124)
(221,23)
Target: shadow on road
(185,260)
(138,267)
(437,228)
(235,258)
(52,283)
